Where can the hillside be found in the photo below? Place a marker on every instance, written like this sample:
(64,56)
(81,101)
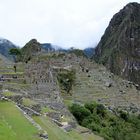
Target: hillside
(35,91)
(49,83)
(119,48)
(55,94)
(5,46)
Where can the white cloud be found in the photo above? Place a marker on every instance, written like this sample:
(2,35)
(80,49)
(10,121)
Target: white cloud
(79,23)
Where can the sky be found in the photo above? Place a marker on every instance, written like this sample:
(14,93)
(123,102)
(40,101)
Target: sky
(66,23)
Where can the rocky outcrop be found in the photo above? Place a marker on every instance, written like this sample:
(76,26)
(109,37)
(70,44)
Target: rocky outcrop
(119,48)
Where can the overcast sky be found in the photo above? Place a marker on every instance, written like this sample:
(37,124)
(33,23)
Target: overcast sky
(78,23)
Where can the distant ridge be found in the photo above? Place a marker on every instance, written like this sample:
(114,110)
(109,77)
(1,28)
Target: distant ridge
(5,46)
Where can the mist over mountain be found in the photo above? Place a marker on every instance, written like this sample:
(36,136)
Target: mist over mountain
(89,52)
(48,47)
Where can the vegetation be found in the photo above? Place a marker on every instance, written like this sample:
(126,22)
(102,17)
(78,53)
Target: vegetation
(8,93)
(46,110)
(28,102)
(16,53)
(80,112)
(103,122)
(55,133)
(77,52)
(66,80)
(13,125)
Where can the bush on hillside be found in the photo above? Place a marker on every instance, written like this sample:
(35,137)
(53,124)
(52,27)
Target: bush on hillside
(80,112)
(106,124)
(91,106)
(66,80)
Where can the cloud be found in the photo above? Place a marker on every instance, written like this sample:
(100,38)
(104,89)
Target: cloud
(67,23)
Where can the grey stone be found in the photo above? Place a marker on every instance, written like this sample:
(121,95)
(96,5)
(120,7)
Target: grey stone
(67,128)
(108,84)
(44,136)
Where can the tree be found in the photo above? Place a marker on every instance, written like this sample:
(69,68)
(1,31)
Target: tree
(91,106)
(15,52)
(101,110)
(80,112)
(66,80)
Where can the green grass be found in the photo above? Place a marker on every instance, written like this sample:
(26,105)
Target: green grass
(8,93)
(17,85)
(56,133)
(12,73)
(46,109)
(68,102)
(20,68)
(28,102)
(13,125)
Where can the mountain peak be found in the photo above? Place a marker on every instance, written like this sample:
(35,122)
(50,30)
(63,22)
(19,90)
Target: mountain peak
(31,48)
(119,48)
(132,5)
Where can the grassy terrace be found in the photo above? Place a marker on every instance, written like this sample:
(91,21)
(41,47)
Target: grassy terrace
(28,102)
(13,125)
(56,133)
(8,93)
(12,73)
(17,85)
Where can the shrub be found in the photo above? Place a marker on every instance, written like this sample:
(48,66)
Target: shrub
(139,116)
(80,112)
(101,110)
(95,127)
(66,80)
(124,115)
(106,124)
(92,118)
(16,53)
(87,121)
(91,106)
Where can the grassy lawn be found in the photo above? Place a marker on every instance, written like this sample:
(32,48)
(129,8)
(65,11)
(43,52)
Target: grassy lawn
(17,85)
(56,133)
(8,93)
(12,73)
(13,125)
(28,102)
(46,110)
(68,101)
